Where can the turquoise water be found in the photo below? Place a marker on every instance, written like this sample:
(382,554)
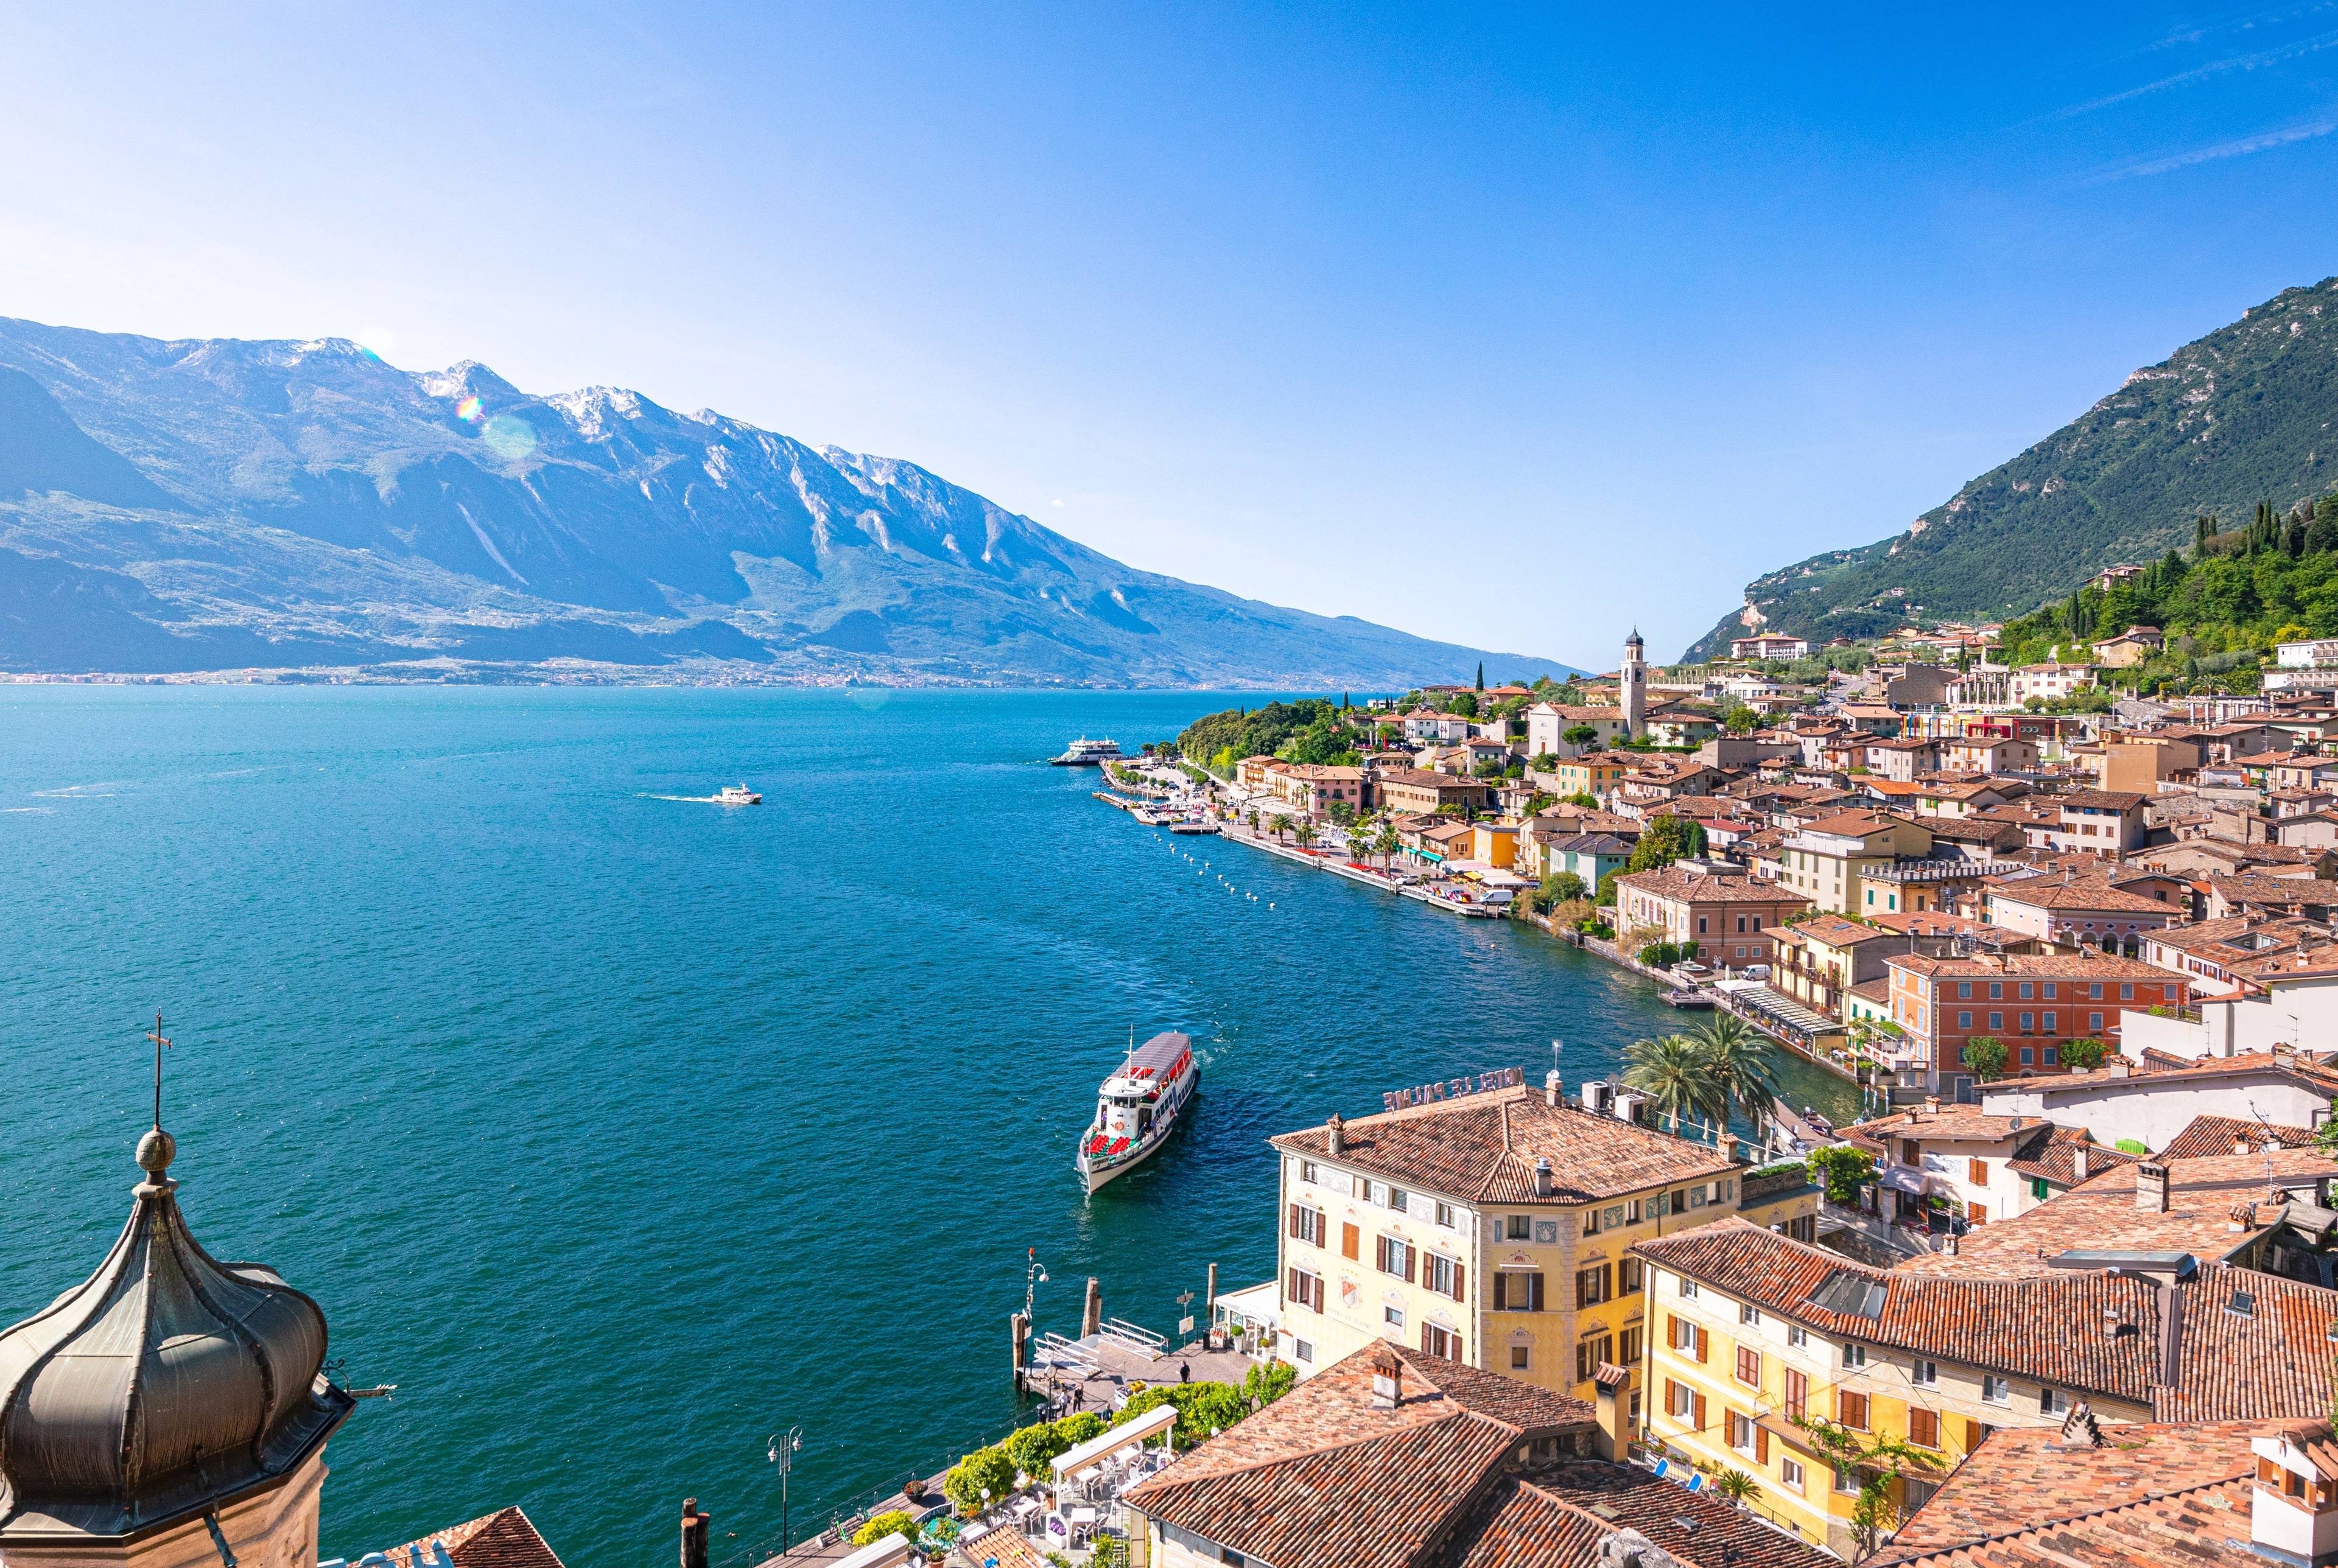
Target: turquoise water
(621,1131)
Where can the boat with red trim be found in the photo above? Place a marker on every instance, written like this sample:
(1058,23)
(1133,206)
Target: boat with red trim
(1138,1107)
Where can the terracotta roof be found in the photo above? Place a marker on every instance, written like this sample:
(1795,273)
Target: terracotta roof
(1853,824)
(1949,1124)
(2271,1362)
(1833,930)
(1555,1517)
(2212,1135)
(2032,966)
(2101,800)
(2100,1215)
(2041,893)
(2054,1158)
(2161,1068)
(1481,1148)
(2149,1496)
(1705,887)
(506,1538)
(1324,1479)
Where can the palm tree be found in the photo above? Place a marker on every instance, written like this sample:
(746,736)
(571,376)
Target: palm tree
(1671,1072)
(1743,1063)
(1305,834)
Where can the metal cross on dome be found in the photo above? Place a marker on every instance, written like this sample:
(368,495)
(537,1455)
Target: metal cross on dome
(160,1041)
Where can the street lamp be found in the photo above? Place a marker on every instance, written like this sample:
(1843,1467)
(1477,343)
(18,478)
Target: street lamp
(784,1447)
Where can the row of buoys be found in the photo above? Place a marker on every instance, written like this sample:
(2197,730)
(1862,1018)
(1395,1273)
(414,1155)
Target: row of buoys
(1204,867)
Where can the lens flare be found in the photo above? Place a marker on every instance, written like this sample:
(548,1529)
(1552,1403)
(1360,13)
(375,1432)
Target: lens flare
(468,410)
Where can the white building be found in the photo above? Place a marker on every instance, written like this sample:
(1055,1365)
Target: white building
(1769,645)
(2049,681)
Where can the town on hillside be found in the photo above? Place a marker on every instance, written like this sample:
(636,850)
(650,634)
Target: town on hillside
(2063,1292)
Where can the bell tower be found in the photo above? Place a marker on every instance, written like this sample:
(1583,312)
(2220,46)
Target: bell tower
(171,1411)
(1633,688)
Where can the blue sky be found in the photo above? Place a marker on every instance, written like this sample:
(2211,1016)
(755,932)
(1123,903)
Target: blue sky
(1511,325)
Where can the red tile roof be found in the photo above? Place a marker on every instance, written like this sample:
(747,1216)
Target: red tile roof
(1482,1148)
(1555,1517)
(506,1538)
(2211,1135)
(1324,1479)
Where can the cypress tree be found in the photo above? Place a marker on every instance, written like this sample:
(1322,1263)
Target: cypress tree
(1481,674)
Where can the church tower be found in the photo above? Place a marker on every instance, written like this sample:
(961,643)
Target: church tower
(1633,688)
(169,1411)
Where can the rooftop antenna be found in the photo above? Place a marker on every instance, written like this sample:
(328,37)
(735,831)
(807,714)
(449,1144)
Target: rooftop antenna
(156,1036)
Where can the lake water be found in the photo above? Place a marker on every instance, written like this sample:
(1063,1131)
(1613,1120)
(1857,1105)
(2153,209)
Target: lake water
(620,1130)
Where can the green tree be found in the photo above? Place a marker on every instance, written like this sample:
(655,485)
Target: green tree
(1742,1063)
(1481,674)
(1564,884)
(1743,721)
(1841,1171)
(1670,1072)
(984,1469)
(1032,1446)
(1664,839)
(1579,735)
(1875,1464)
(1305,833)
(1607,898)
(1986,1057)
(2085,1054)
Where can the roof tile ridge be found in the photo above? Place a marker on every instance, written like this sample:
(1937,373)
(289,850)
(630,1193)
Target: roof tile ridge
(1331,1445)
(2062,1522)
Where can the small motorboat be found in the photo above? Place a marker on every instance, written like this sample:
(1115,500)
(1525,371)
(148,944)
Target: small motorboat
(737,795)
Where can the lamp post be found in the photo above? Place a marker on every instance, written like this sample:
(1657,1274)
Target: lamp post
(784,1447)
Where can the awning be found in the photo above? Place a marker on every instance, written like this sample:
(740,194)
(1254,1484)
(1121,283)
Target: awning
(1906,1179)
(1153,1423)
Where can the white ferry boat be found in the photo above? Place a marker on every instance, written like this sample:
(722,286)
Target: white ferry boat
(737,795)
(1138,1108)
(1086,754)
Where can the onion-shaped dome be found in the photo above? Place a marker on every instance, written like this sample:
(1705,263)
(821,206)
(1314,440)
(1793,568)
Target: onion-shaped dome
(165,1385)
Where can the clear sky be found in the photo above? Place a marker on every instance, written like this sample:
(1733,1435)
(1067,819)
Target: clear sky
(1512,325)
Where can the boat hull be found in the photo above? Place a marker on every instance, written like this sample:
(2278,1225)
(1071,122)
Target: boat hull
(1099,1175)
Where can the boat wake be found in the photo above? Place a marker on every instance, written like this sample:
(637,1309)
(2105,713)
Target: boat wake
(690,800)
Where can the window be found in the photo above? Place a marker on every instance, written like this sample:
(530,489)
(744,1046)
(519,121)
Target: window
(1398,1200)
(1748,1365)
(2028,1023)
(1444,1215)
(2050,989)
(1790,1475)
(1517,1228)
(1700,925)
(1630,1274)
(1964,990)
(1303,1287)
(1394,1257)
(1996,1390)
(1851,1409)
(1748,1313)
(1923,1427)
(1350,1239)
(2026,990)
(2094,1021)
(1741,1432)
(2095,992)
(2038,1190)
(1926,1372)
(1797,1335)
(1589,1354)
(1307,1224)
(1441,1274)
(1439,1341)
(1591,1221)
(1627,1346)
(1519,1357)
(1997,990)
(1393,1315)
(1846,1479)
(1517,1292)
(1977,1172)
(1680,1400)
(1593,1286)
(1363,1185)
(1964,1019)
(1855,1355)
(1689,1287)
(1305,1350)
(2053,1402)
(1997,1020)
(1379,1194)
(1307,1170)
(2127,993)
(1798,1395)
(2053,1054)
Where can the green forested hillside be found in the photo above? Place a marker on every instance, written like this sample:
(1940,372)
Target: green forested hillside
(2244,415)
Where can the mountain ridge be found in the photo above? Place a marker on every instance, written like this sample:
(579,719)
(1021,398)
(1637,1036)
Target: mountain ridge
(2243,414)
(227,497)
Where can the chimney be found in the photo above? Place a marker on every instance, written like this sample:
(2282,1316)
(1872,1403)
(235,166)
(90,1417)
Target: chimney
(2121,1067)
(2151,1188)
(693,1534)
(1336,1132)
(1542,1176)
(2078,1162)
(1932,1104)
(1551,1087)
(1388,1381)
(2240,1145)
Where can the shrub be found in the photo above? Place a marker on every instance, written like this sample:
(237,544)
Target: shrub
(985,1467)
(1078,1427)
(894,1522)
(1841,1171)
(2086,1054)
(1030,1447)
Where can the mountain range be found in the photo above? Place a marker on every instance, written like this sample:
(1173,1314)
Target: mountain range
(2248,413)
(221,503)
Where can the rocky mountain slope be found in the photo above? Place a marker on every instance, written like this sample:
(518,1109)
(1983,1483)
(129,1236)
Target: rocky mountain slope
(219,504)
(2245,414)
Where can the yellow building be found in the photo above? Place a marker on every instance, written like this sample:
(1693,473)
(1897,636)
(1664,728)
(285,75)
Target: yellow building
(1595,774)
(1491,1228)
(1752,1333)
(1828,861)
(1495,843)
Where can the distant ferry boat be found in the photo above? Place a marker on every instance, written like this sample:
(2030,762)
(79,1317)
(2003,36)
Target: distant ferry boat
(737,795)
(1086,754)
(1138,1108)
